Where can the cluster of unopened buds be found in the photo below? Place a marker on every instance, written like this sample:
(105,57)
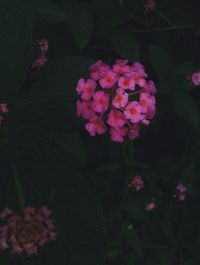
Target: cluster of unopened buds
(42,59)
(119,98)
(181,189)
(3,112)
(24,234)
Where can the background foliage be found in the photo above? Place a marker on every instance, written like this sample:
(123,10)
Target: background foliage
(85,180)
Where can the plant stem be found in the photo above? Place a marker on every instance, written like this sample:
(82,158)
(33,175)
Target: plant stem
(18,186)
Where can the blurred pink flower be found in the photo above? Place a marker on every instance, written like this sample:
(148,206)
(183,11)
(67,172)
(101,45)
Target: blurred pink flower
(150,206)
(137,182)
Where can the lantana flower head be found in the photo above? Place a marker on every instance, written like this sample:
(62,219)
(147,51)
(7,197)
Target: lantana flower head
(24,234)
(137,183)
(196,78)
(118,98)
(42,59)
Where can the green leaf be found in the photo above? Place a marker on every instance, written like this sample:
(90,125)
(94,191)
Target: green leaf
(161,61)
(110,15)
(77,213)
(45,11)
(125,45)
(67,147)
(131,236)
(62,75)
(15,46)
(186,108)
(80,20)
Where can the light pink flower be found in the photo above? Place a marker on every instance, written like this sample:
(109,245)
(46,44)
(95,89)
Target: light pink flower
(121,99)
(117,135)
(149,6)
(181,197)
(95,126)
(101,101)
(108,80)
(147,102)
(196,78)
(4,108)
(137,182)
(116,119)
(44,45)
(181,187)
(85,109)
(126,83)
(149,87)
(40,61)
(133,112)
(98,70)
(134,131)
(86,88)
(121,67)
(150,206)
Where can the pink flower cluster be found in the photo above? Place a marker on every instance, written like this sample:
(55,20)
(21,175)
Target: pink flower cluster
(3,112)
(181,188)
(119,98)
(42,59)
(196,78)
(24,234)
(149,6)
(137,183)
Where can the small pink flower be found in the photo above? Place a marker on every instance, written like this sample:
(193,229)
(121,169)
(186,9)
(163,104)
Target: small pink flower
(133,112)
(85,109)
(98,70)
(196,78)
(150,87)
(181,187)
(86,88)
(137,182)
(4,108)
(121,67)
(108,80)
(116,119)
(126,83)
(40,61)
(120,100)
(147,102)
(181,197)
(149,6)
(134,131)
(117,135)
(150,206)
(95,126)
(44,45)
(101,101)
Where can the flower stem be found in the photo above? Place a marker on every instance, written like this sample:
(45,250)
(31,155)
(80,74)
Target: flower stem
(18,186)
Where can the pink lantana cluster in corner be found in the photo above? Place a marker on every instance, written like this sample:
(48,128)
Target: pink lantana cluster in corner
(3,112)
(42,59)
(24,234)
(118,98)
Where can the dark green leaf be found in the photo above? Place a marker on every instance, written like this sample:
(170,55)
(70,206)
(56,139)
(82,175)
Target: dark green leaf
(80,20)
(45,11)
(61,75)
(77,213)
(125,45)
(15,46)
(161,61)
(186,108)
